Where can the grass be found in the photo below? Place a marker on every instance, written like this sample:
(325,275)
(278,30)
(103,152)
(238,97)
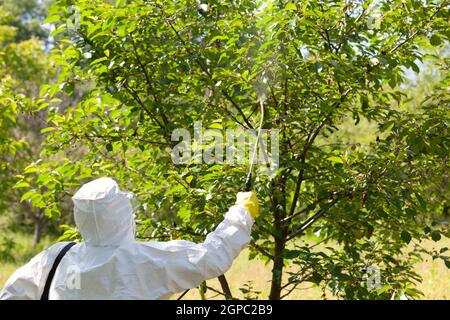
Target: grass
(435,275)
(435,284)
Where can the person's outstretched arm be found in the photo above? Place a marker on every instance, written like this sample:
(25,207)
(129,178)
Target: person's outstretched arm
(187,264)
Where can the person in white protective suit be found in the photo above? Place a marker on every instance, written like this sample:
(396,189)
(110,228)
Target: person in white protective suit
(111,264)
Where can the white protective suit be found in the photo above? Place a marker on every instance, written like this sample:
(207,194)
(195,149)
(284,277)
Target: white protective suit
(110,264)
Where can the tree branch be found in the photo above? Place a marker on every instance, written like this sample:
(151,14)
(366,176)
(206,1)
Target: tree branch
(305,225)
(295,283)
(309,140)
(261,250)
(218,292)
(150,89)
(411,36)
(135,96)
(225,287)
(310,206)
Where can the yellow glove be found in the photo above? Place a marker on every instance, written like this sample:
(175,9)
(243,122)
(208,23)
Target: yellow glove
(249,201)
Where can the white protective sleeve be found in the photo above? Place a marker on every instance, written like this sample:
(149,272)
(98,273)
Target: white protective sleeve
(188,264)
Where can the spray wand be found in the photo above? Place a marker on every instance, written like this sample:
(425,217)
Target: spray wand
(248,180)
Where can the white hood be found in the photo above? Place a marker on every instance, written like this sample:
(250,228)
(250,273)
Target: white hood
(103,213)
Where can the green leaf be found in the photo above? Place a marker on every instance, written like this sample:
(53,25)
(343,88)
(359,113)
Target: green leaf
(435,40)
(364,103)
(335,159)
(406,236)
(51,19)
(291,254)
(413,292)
(58,30)
(216,126)
(99,60)
(290,6)
(222,56)
(27,195)
(22,185)
(109,147)
(31,169)
(421,201)
(120,3)
(415,67)
(48,129)
(384,288)
(216,38)
(436,236)
(447,263)
(189,179)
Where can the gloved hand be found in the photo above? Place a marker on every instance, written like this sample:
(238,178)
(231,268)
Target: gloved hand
(249,201)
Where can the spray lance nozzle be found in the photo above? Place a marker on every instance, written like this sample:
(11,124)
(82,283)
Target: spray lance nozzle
(248,183)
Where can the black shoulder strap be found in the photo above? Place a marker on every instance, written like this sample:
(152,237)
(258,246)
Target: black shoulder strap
(51,274)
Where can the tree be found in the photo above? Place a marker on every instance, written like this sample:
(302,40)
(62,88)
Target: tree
(24,68)
(26,16)
(160,65)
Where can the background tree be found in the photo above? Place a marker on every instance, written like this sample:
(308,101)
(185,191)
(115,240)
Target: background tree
(25,66)
(26,17)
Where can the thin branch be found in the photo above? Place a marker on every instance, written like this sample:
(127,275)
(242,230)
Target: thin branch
(150,89)
(261,250)
(295,284)
(122,137)
(310,205)
(309,141)
(331,47)
(135,96)
(408,38)
(308,144)
(272,93)
(404,41)
(305,225)
(218,292)
(132,92)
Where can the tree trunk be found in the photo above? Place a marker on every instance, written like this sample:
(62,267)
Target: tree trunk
(279,209)
(277,270)
(225,287)
(38,228)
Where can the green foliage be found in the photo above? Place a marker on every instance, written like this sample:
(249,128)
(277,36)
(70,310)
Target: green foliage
(249,292)
(25,17)
(18,248)
(24,68)
(7,248)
